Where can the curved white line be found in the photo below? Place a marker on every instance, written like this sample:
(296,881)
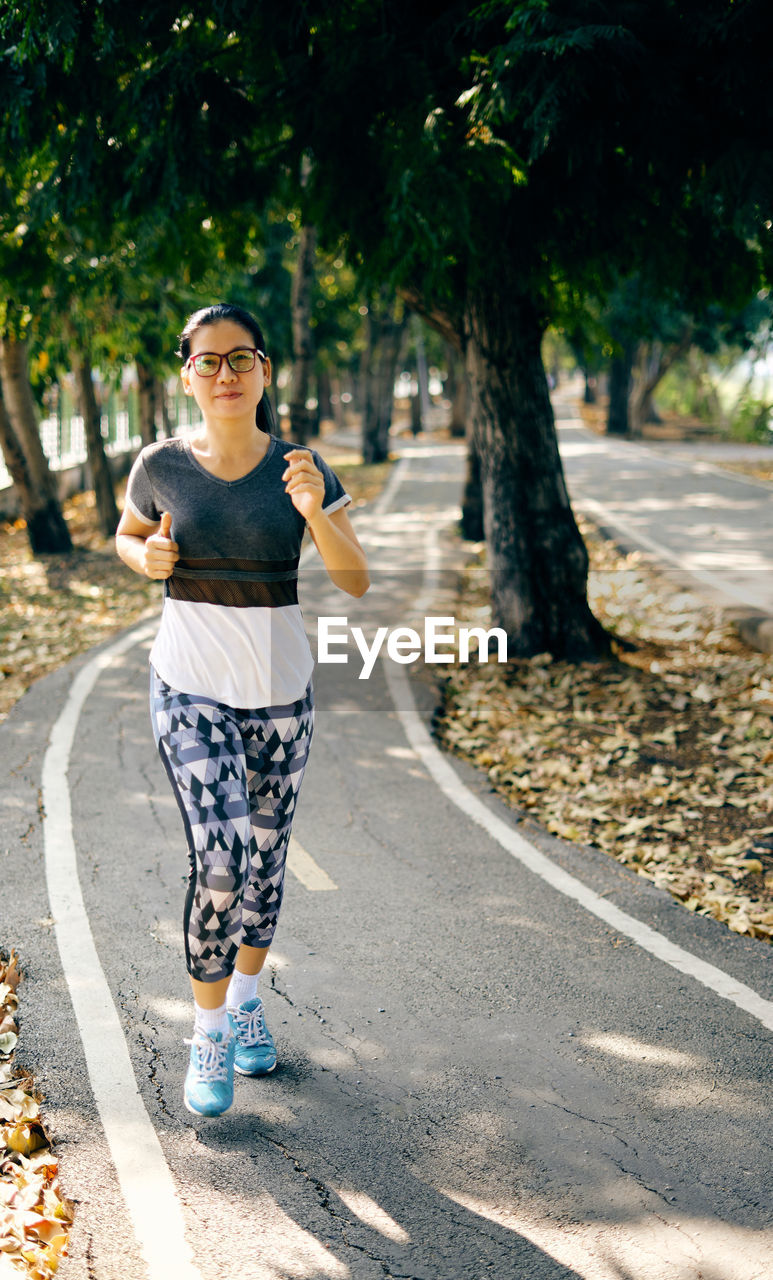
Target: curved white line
(439,769)
(721,983)
(143,1174)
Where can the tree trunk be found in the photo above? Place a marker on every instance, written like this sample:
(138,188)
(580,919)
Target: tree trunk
(15,461)
(422,374)
(101,477)
(46,526)
(338,407)
(385,331)
(589,393)
(647,410)
(620,373)
(653,365)
(148,404)
(416,414)
(166,421)
(460,405)
(325,394)
(708,404)
(303,421)
(472,499)
(537,560)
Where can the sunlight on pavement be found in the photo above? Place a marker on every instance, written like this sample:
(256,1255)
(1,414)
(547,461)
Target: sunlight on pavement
(170,1009)
(372,1215)
(283,1250)
(639,1051)
(401,753)
(676,1247)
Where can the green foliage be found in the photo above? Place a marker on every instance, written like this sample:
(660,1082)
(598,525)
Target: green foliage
(751,421)
(448,143)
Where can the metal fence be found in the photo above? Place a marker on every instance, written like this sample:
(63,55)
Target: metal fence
(63,438)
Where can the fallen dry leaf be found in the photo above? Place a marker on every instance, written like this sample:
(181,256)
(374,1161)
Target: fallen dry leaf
(662,757)
(34,1217)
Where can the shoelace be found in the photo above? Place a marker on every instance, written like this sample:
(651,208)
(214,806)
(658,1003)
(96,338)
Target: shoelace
(211,1058)
(250,1027)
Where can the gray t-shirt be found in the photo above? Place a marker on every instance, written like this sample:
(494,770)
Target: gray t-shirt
(231,627)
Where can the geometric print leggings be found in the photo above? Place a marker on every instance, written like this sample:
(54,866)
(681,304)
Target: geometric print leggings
(236,775)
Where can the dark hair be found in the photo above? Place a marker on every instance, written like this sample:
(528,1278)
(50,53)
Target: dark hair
(264,417)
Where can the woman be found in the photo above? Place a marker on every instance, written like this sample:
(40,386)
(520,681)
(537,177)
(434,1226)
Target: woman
(220,517)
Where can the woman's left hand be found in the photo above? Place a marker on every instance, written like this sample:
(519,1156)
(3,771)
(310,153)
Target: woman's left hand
(304,482)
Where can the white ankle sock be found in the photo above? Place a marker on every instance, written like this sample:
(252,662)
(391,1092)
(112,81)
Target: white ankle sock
(211,1020)
(242,987)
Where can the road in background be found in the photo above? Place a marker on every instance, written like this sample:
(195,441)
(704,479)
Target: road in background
(675,501)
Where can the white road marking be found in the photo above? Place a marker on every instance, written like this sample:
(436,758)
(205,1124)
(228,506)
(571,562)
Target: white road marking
(305,869)
(399,472)
(143,1174)
(612,520)
(515,844)
(453,788)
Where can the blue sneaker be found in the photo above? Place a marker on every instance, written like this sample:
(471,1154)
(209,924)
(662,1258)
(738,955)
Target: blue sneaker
(209,1084)
(255,1052)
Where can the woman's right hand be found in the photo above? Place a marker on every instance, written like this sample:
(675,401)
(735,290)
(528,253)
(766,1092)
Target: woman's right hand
(161,554)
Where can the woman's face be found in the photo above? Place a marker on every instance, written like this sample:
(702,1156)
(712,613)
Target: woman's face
(227,394)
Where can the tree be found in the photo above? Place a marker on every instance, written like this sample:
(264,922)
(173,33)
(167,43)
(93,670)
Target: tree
(536,122)
(645,331)
(23,451)
(23,272)
(495,155)
(386,320)
(304,420)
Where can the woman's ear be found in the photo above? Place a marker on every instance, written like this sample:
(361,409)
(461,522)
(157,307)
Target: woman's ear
(266,372)
(185,379)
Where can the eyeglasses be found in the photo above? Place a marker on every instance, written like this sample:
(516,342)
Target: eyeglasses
(241,360)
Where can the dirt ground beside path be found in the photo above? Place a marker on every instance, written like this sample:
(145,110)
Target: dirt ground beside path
(662,757)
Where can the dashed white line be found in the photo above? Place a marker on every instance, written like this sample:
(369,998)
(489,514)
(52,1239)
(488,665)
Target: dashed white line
(306,870)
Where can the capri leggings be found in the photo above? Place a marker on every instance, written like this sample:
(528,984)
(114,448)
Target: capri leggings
(236,775)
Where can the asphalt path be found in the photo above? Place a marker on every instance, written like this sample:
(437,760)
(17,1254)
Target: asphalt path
(479,1077)
(675,501)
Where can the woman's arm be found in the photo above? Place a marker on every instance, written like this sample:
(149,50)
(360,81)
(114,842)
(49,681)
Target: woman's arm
(333,534)
(147,549)
(344,558)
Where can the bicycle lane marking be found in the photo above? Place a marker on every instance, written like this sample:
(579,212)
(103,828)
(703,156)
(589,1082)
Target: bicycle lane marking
(444,776)
(144,1176)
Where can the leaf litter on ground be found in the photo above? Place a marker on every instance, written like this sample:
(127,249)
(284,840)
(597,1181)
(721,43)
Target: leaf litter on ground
(662,757)
(34,1216)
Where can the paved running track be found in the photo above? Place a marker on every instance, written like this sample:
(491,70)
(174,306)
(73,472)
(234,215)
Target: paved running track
(500,1055)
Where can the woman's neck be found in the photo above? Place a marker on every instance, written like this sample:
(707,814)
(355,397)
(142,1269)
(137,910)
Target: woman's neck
(230,440)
